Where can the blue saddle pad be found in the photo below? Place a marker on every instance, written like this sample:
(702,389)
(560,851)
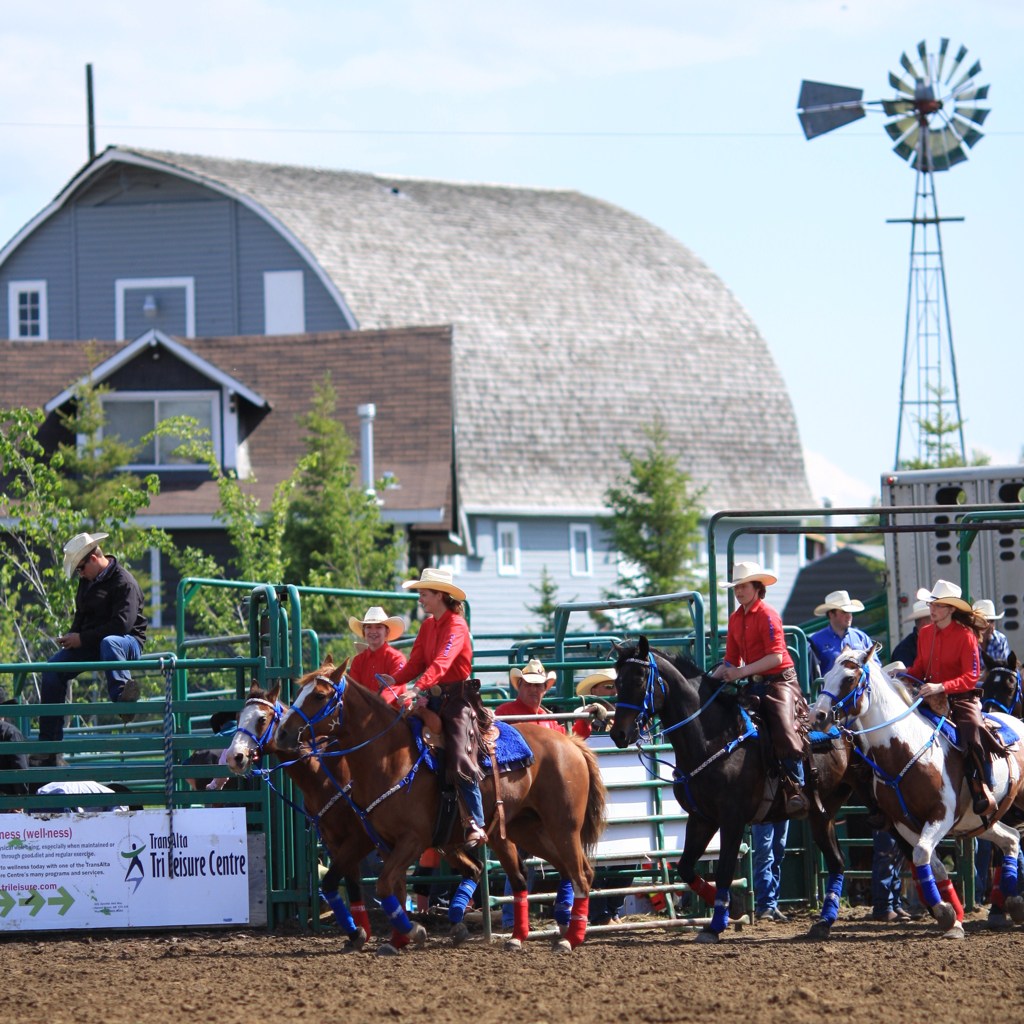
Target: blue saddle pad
(512,751)
(1006,734)
(948,728)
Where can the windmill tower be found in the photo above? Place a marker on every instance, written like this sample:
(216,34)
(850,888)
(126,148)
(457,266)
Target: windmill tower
(933,117)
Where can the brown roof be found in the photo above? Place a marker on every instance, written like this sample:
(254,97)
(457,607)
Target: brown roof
(406,373)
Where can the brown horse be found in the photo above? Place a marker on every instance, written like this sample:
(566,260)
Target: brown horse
(339,827)
(552,808)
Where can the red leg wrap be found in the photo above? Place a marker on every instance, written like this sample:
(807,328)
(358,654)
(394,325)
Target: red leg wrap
(995,892)
(361,917)
(705,890)
(949,895)
(398,939)
(578,921)
(520,916)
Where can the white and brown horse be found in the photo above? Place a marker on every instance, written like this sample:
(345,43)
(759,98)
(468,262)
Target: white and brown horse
(919,779)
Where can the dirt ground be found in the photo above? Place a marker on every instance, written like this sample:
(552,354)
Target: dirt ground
(868,972)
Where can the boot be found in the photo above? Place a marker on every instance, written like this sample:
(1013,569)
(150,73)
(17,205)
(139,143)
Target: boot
(983,802)
(796,804)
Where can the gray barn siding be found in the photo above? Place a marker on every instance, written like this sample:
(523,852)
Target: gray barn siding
(45,256)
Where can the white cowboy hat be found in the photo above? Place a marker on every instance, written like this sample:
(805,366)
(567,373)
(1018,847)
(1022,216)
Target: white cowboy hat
(532,672)
(78,547)
(376,616)
(586,686)
(436,579)
(750,572)
(839,601)
(944,592)
(987,610)
(919,611)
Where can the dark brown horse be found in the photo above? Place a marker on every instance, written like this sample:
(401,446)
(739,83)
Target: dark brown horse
(721,772)
(553,808)
(1001,687)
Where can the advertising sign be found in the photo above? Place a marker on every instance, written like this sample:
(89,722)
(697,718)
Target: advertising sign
(123,869)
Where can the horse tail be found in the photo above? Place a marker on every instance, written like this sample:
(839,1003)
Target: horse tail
(593,819)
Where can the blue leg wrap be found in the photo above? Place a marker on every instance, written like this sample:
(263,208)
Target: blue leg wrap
(341,913)
(929,890)
(720,916)
(396,914)
(1008,882)
(463,894)
(830,908)
(563,903)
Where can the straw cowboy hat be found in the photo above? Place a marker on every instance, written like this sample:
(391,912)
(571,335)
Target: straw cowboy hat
(533,672)
(436,579)
(376,616)
(78,547)
(585,687)
(944,592)
(750,572)
(919,611)
(987,610)
(839,601)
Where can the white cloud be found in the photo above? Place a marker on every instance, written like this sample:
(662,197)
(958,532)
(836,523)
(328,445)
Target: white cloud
(830,482)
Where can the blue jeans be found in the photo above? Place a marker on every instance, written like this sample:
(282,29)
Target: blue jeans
(54,686)
(982,863)
(886,870)
(769,849)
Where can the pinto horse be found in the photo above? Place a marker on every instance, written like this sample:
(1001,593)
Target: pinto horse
(339,828)
(721,772)
(919,778)
(552,808)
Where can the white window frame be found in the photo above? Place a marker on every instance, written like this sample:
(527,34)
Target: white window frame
(504,567)
(157,396)
(126,284)
(16,289)
(769,552)
(284,302)
(587,568)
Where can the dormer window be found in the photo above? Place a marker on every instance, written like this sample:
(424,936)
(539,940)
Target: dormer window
(131,415)
(27,315)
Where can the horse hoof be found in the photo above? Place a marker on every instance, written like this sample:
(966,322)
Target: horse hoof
(706,935)
(821,931)
(386,949)
(956,932)
(944,914)
(418,936)
(514,945)
(561,946)
(459,933)
(997,920)
(355,942)
(1014,906)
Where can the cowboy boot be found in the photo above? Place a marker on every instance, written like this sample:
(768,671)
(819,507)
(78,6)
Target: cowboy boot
(981,789)
(796,804)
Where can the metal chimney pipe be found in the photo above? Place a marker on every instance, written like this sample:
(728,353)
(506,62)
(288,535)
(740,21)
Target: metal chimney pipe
(90,112)
(366,416)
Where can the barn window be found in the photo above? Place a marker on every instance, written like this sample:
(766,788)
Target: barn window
(27,317)
(580,556)
(507,549)
(131,416)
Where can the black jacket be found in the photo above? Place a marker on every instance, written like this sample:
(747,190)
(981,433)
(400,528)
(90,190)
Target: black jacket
(906,649)
(109,606)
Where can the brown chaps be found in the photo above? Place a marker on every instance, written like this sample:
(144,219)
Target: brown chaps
(979,742)
(458,711)
(781,704)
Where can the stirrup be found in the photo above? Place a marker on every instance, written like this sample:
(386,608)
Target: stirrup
(475,835)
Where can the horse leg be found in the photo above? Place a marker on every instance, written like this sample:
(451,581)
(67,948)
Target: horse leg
(344,916)
(943,911)
(511,862)
(699,832)
(824,832)
(403,931)
(1007,840)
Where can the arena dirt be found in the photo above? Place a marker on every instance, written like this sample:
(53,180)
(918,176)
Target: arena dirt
(869,972)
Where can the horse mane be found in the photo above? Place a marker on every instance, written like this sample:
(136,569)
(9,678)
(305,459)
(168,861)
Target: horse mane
(681,662)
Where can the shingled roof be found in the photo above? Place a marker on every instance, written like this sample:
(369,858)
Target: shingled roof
(575,323)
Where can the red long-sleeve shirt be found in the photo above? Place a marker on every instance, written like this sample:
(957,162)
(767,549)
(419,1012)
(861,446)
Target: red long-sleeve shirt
(753,633)
(517,707)
(948,656)
(367,665)
(441,653)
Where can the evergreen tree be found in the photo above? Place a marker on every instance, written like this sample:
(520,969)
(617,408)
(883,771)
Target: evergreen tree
(941,439)
(547,601)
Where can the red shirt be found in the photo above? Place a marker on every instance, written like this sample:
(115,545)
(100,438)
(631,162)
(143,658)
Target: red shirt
(367,665)
(517,707)
(948,656)
(754,633)
(441,653)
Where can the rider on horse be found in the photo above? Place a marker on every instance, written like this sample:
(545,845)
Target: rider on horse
(755,651)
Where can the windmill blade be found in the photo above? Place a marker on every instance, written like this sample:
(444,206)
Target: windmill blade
(975,70)
(979,92)
(908,65)
(899,85)
(897,129)
(975,114)
(823,107)
(907,146)
(893,107)
(957,61)
(968,133)
(943,46)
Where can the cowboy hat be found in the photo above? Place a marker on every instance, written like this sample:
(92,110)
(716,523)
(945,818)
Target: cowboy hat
(376,616)
(585,686)
(532,672)
(919,611)
(220,719)
(944,592)
(987,610)
(436,579)
(750,572)
(839,601)
(78,547)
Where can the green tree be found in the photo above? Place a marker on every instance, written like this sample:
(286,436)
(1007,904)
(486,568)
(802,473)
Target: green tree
(654,524)
(940,436)
(334,535)
(547,601)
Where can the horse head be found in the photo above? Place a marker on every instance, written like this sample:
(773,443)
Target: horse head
(1001,686)
(317,708)
(639,691)
(255,733)
(846,689)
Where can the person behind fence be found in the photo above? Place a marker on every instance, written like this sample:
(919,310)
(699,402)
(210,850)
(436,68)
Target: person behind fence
(108,626)
(440,662)
(948,664)
(827,643)
(906,650)
(769,849)
(10,733)
(755,652)
(377,629)
(993,644)
(599,687)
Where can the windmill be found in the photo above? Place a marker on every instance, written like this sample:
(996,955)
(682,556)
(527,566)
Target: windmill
(934,120)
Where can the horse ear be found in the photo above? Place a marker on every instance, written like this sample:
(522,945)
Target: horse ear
(1011,661)
(254,688)
(988,662)
(329,660)
(643,648)
(336,675)
(275,692)
(875,648)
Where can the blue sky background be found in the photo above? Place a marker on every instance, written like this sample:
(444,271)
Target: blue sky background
(682,112)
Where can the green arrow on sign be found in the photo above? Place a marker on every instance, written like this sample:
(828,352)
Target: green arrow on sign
(64,901)
(35,901)
(7,902)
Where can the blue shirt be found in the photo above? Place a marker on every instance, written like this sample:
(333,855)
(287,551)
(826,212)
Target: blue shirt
(998,647)
(827,645)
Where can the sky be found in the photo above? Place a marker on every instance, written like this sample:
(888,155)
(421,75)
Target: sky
(680,111)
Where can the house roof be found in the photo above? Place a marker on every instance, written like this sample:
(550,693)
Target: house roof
(855,569)
(408,379)
(576,323)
